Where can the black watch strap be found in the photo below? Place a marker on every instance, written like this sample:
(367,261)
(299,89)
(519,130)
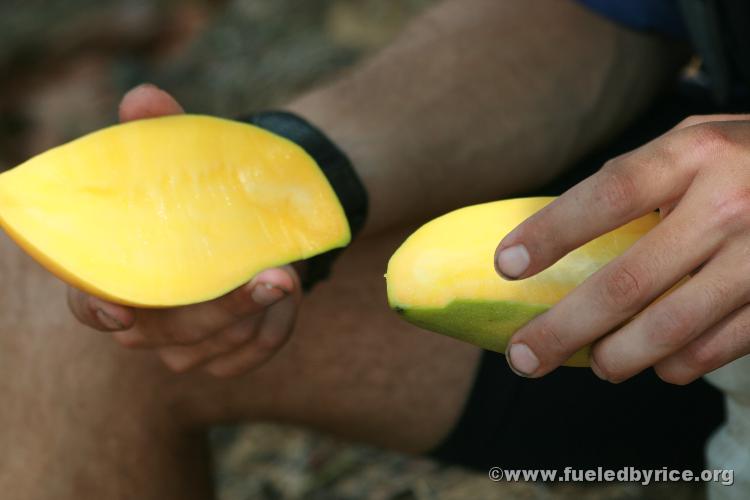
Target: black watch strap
(337,168)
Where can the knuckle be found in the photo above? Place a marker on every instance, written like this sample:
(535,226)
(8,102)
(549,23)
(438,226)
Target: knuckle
(704,355)
(702,358)
(273,337)
(671,326)
(738,339)
(236,337)
(188,336)
(719,292)
(617,189)
(705,140)
(624,288)
(128,340)
(732,210)
(549,339)
(176,363)
(269,344)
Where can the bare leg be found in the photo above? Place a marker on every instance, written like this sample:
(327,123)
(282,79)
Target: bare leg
(82,418)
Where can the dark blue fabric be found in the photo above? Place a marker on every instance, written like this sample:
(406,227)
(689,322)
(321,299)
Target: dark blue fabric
(659,16)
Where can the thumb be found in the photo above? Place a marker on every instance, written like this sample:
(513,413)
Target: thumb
(147,101)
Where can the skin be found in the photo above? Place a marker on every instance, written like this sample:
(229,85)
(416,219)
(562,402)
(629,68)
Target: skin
(84,418)
(407,147)
(226,336)
(445,106)
(696,176)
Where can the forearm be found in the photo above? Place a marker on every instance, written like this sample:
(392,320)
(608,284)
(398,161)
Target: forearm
(480,99)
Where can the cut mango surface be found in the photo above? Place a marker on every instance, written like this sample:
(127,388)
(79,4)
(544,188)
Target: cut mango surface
(172,210)
(443,279)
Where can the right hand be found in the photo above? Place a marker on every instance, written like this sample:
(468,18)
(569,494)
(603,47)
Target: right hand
(224,337)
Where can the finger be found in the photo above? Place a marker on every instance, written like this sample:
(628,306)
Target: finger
(131,339)
(183,358)
(616,292)
(99,314)
(273,333)
(627,187)
(692,121)
(191,324)
(725,342)
(147,101)
(664,327)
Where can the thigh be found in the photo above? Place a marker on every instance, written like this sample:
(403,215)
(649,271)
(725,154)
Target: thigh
(352,367)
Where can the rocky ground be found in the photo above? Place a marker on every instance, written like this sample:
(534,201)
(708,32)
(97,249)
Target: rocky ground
(64,65)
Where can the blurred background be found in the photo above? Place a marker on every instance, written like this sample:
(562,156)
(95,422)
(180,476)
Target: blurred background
(66,63)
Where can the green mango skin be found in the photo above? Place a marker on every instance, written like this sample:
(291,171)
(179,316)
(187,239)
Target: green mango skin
(485,324)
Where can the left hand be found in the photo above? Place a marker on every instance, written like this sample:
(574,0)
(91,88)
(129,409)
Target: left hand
(698,176)
(224,337)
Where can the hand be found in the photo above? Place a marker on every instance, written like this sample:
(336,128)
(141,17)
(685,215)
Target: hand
(698,176)
(226,336)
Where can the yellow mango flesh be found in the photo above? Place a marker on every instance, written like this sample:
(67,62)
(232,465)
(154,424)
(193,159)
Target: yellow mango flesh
(172,210)
(442,278)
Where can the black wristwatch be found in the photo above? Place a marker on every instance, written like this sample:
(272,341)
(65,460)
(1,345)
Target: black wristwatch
(337,168)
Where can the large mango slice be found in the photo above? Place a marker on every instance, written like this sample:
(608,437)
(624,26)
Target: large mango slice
(171,210)
(443,279)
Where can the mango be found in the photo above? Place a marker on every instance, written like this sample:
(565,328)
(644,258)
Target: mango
(172,210)
(442,278)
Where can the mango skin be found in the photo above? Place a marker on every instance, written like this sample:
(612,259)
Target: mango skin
(172,210)
(442,278)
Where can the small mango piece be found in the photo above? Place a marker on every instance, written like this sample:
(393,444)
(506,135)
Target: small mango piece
(442,278)
(172,210)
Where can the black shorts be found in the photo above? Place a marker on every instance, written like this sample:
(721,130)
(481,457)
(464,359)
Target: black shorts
(570,417)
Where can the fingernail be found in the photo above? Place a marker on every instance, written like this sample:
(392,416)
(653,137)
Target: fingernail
(108,321)
(513,261)
(523,361)
(597,371)
(147,85)
(266,294)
